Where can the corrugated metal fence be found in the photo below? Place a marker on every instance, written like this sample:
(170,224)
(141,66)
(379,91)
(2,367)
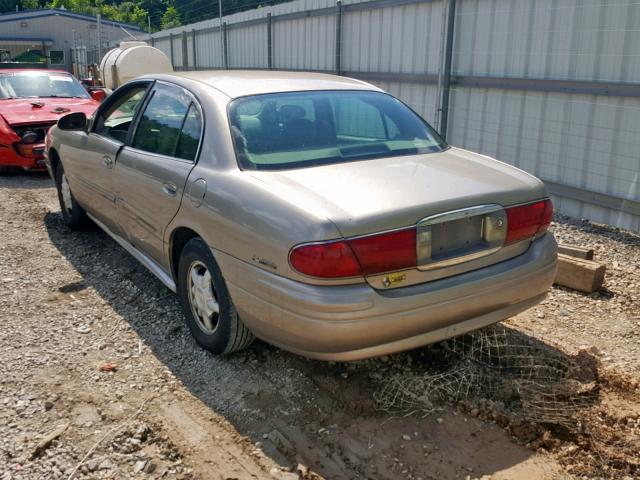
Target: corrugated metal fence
(551,86)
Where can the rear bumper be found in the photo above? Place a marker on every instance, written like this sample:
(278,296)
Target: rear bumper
(351,322)
(10,158)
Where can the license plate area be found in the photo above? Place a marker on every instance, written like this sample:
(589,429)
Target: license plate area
(459,236)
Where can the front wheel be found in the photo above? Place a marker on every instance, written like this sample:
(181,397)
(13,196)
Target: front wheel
(207,306)
(73,214)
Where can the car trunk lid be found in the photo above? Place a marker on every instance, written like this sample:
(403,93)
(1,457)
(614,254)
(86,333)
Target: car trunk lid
(455,199)
(369,196)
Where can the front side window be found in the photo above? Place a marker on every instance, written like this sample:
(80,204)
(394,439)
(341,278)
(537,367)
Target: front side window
(293,130)
(115,122)
(161,124)
(40,84)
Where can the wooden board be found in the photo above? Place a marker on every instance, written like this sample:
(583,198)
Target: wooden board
(579,274)
(578,252)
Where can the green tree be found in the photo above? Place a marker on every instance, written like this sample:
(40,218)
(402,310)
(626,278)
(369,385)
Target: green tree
(171,18)
(30,4)
(77,6)
(126,12)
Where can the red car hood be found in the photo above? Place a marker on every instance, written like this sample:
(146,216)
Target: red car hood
(21,111)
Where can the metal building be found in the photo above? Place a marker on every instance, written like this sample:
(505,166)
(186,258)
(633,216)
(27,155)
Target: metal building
(59,38)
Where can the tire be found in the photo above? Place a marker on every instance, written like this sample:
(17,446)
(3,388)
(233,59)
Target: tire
(207,306)
(74,216)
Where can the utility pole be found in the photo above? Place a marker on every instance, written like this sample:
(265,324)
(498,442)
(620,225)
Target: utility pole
(149,23)
(222,33)
(74,56)
(99,32)
(446,89)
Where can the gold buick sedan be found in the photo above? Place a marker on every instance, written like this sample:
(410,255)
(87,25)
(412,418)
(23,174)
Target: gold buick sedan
(313,211)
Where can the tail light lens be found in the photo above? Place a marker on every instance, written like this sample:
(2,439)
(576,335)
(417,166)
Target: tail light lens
(546,216)
(525,221)
(325,260)
(358,256)
(386,252)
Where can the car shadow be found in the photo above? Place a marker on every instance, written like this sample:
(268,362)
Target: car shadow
(30,180)
(323,415)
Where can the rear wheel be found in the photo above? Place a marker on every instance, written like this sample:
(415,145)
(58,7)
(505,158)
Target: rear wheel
(207,306)
(74,216)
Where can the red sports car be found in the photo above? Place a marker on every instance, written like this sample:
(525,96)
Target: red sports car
(31,101)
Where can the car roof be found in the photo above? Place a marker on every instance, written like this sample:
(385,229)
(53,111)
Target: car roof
(238,83)
(39,70)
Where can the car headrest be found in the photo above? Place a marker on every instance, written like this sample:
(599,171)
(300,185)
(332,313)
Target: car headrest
(288,113)
(249,123)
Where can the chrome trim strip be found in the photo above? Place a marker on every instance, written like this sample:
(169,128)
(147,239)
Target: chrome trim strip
(461,213)
(461,259)
(152,266)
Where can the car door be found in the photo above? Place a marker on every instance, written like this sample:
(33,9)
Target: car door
(91,163)
(152,169)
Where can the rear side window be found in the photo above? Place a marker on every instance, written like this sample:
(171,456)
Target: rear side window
(190,135)
(161,124)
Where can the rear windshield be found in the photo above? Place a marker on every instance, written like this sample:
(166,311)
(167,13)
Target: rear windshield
(40,85)
(293,130)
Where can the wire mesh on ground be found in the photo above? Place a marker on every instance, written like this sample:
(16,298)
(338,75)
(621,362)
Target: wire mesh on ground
(529,387)
(524,376)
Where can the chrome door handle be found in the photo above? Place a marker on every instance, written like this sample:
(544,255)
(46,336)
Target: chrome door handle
(107,161)
(169,189)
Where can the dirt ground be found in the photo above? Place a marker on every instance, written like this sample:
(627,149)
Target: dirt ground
(94,351)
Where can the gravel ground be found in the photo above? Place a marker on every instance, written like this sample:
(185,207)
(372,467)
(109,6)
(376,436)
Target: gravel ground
(94,352)
(608,321)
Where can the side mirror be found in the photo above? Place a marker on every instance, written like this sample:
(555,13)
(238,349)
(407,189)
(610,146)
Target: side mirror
(98,94)
(73,121)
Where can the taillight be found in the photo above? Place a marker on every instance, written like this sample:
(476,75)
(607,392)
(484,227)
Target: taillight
(525,221)
(325,260)
(355,257)
(386,252)
(546,216)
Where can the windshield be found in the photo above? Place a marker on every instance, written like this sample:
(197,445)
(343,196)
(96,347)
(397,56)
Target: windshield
(40,84)
(293,130)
